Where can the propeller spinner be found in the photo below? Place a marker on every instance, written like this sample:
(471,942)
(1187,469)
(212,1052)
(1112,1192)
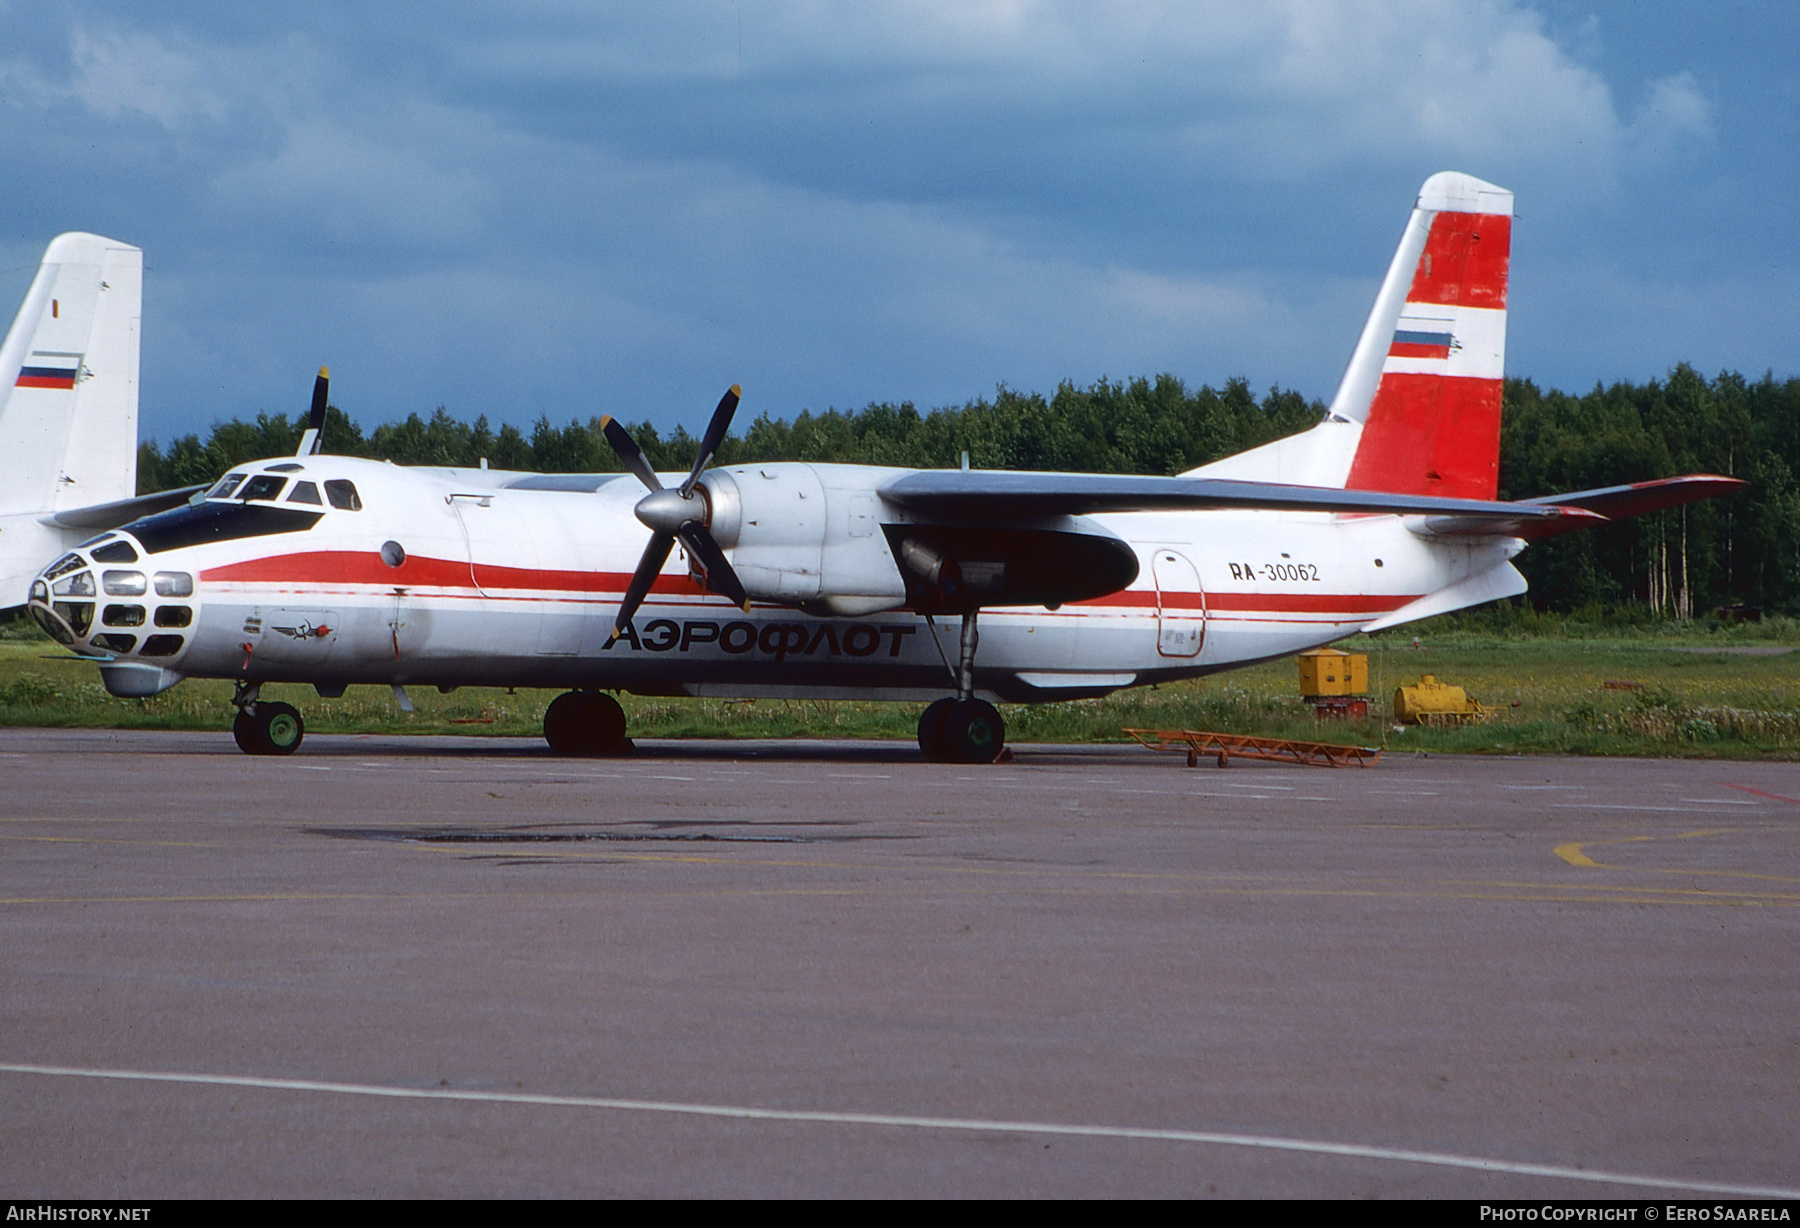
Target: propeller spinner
(681,512)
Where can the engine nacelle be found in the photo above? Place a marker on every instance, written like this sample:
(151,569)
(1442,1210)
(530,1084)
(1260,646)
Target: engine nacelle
(807,534)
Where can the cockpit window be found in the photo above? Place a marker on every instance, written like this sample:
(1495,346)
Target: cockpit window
(64,565)
(343,496)
(217,521)
(225,485)
(305,492)
(262,486)
(116,552)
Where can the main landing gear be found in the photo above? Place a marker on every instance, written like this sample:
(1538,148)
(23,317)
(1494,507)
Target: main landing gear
(963,729)
(586,723)
(265,728)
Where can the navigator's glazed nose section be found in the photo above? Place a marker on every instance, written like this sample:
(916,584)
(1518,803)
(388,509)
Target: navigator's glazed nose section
(103,600)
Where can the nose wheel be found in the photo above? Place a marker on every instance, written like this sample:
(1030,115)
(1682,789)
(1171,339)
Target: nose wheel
(963,729)
(585,723)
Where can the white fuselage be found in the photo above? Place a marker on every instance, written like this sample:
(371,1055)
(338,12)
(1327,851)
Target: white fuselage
(495,585)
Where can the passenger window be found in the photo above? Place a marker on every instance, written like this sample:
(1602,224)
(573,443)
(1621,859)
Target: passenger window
(225,486)
(263,486)
(305,492)
(343,496)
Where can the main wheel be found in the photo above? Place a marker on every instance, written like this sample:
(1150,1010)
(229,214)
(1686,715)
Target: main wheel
(600,725)
(278,728)
(972,732)
(584,723)
(243,730)
(559,729)
(931,729)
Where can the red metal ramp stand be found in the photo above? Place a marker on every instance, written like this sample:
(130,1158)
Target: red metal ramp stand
(1228,746)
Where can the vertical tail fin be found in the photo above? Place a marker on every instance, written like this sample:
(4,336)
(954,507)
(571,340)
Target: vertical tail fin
(69,379)
(1427,373)
(1418,409)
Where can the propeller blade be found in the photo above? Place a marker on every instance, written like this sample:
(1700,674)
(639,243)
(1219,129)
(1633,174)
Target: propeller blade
(655,555)
(715,435)
(315,420)
(321,386)
(628,451)
(719,576)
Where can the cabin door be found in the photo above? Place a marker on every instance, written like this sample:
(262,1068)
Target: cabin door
(1180,605)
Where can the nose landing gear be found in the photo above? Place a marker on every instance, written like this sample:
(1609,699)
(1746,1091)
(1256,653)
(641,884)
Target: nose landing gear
(963,729)
(585,723)
(265,728)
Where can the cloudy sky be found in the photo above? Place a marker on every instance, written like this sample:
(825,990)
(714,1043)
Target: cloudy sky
(578,208)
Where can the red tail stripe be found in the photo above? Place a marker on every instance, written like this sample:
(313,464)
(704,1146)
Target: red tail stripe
(1465,261)
(1431,435)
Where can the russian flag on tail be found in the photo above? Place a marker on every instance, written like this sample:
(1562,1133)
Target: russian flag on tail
(49,371)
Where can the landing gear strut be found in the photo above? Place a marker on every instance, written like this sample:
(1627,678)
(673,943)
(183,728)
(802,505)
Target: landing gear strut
(265,728)
(586,723)
(963,729)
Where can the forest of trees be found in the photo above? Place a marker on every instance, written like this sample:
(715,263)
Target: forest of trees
(1682,563)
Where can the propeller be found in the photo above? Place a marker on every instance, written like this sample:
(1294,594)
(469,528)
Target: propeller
(315,421)
(678,513)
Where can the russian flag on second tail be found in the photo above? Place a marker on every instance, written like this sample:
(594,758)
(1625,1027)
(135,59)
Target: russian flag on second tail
(49,370)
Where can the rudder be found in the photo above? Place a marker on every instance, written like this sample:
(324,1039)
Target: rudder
(1432,419)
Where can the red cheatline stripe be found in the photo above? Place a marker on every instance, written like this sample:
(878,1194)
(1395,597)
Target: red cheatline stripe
(1292,603)
(355,567)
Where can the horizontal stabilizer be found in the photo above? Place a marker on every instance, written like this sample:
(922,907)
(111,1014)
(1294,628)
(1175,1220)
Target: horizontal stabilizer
(1621,502)
(123,511)
(990,496)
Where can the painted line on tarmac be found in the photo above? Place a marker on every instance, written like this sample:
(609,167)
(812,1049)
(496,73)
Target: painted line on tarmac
(902,1121)
(1760,793)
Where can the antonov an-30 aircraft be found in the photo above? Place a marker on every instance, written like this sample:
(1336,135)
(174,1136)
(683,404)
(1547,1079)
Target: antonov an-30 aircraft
(815,580)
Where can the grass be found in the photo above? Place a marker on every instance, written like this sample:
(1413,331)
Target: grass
(1547,677)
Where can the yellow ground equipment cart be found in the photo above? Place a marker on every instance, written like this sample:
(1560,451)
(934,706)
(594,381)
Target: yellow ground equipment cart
(1335,683)
(1431,702)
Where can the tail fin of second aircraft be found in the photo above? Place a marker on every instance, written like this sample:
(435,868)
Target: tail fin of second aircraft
(69,380)
(1418,408)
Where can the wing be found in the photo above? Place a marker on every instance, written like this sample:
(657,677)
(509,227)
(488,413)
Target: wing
(124,511)
(1002,496)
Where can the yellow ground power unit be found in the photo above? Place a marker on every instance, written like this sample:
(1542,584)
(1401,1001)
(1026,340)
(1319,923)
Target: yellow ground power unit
(1431,702)
(1326,671)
